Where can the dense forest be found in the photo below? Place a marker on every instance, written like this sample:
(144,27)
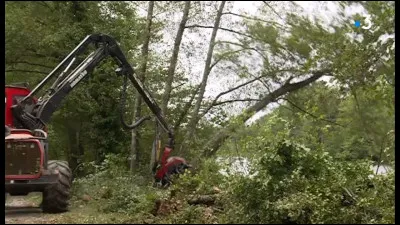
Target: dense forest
(295,93)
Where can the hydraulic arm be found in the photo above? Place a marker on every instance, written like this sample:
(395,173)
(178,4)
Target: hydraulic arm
(27,165)
(33,115)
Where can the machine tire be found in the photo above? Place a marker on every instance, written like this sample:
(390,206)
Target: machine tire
(56,197)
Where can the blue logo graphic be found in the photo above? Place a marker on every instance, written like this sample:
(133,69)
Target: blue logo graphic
(357,23)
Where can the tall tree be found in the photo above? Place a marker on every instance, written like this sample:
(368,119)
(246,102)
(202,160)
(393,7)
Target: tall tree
(142,75)
(215,143)
(174,59)
(51,31)
(206,72)
(306,54)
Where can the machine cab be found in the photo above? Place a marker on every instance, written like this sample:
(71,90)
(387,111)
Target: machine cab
(13,94)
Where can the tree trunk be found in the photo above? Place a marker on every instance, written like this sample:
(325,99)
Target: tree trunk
(185,111)
(195,114)
(141,75)
(174,59)
(135,134)
(73,143)
(215,143)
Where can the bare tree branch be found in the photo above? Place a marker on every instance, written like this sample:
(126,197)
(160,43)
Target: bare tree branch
(223,55)
(245,47)
(217,140)
(214,102)
(289,79)
(257,19)
(273,10)
(308,113)
(221,28)
(230,101)
(261,81)
(237,100)
(235,88)
(179,85)
(216,62)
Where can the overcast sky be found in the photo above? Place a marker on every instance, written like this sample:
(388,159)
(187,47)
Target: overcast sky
(192,61)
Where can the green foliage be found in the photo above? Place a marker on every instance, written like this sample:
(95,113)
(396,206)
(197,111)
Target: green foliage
(320,115)
(189,215)
(203,181)
(297,184)
(299,46)
(39,36)
(115,190)
(269,34)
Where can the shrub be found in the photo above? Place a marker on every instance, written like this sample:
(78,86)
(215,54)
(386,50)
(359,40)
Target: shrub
(202,181)
(116,189)
(295,184)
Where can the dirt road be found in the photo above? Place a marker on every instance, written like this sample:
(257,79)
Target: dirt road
(25,210)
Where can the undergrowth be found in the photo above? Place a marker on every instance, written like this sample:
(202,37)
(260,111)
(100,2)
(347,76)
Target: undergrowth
(112,189)
(290,183)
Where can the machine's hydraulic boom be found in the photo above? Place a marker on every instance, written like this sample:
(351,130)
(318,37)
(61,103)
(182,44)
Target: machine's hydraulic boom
(35,115)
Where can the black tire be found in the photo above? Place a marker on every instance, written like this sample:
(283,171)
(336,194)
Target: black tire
(56,197)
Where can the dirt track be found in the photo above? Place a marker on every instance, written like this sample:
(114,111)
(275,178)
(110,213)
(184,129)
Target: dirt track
(22,210)
(25,210)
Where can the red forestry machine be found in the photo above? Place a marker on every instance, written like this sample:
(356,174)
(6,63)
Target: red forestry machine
(27,167)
